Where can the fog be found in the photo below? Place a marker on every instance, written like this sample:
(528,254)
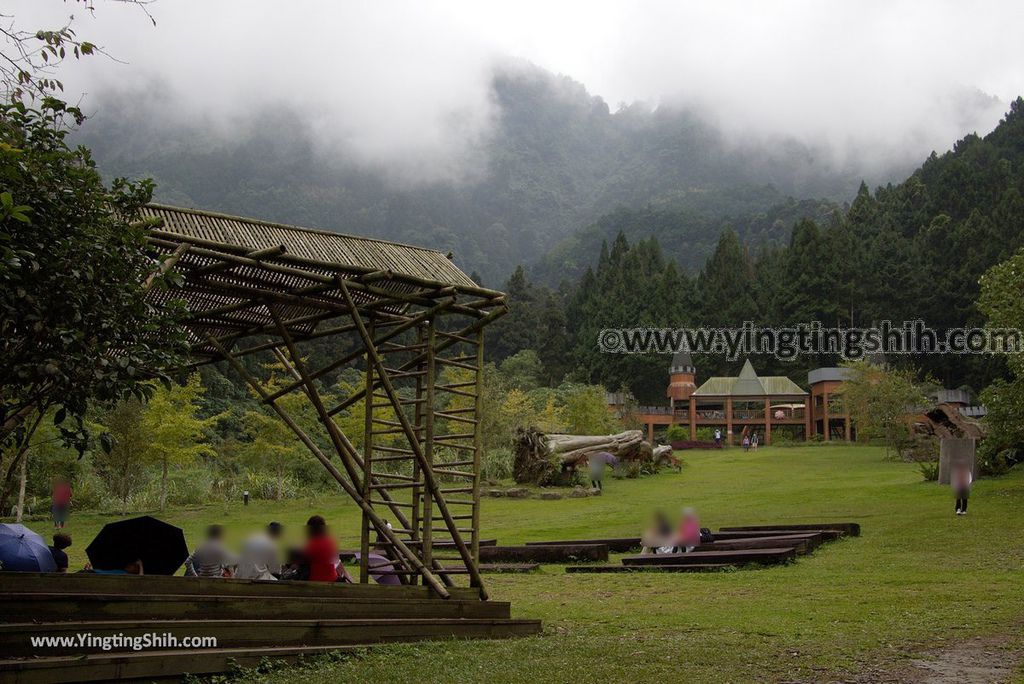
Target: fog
(406,84)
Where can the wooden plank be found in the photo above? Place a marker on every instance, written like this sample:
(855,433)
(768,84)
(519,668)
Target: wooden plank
(615,545)
(849,528)
(508,567)
(826,535)
(451,545)
(544,554)
(603,569)
(775,555)
(802,543)
(147,666)
(154,585)
(62,607)
(15,637)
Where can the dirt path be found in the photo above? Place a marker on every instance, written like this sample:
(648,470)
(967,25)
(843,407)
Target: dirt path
(977,661)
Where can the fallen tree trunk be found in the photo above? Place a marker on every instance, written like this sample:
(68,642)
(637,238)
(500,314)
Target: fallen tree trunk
(572,449)
(543,459)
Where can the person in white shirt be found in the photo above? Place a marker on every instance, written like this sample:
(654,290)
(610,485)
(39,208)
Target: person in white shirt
(260,558)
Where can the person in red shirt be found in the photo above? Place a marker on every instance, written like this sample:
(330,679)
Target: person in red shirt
(321,552)
(60,502)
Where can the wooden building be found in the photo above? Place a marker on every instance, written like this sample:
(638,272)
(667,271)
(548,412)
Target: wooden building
(828,417)
(748,404)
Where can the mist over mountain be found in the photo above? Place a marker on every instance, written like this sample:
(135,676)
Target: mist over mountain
(554,161)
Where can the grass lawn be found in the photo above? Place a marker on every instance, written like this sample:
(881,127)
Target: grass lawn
(918,579)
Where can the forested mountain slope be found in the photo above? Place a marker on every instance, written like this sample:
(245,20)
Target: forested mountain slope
(556,160)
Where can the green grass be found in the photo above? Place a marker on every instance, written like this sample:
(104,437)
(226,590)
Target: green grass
(917,579)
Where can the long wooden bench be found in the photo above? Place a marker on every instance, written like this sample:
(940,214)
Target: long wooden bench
(154,585)
(851,529)
(763,556)
(555,553)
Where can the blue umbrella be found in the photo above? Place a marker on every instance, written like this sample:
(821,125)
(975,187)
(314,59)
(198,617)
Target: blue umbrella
(23,550)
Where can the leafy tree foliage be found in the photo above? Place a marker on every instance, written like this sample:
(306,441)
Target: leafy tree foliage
(879,399)
(175,434)
(74,325)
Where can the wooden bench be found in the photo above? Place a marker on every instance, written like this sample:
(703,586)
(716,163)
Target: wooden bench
(851,529)
(603,569)
(615,545)
(555,553)
(723,535)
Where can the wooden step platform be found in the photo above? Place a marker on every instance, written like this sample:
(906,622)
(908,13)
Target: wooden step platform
(15,637)
(615,545)
(851,529)
(556,553)
(743,557)
(603,569)
(148,666)
(265,619)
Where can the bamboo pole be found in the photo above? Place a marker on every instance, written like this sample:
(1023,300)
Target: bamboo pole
(364,532)
(349,488)
(385,381)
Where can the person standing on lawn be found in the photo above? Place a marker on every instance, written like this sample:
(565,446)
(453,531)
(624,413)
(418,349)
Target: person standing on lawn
(961,480)
(60,502)
(598,461)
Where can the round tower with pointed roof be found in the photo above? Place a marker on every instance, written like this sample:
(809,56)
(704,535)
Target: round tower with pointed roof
(682,377)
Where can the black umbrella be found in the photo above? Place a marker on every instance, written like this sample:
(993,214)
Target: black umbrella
(160,546)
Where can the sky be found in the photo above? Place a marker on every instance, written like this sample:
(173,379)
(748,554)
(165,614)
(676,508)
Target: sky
(873,81)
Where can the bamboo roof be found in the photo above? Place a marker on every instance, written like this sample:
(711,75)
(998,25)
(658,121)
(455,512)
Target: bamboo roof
(233,270)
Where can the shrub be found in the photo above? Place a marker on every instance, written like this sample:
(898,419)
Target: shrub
(497,464)
(929,470)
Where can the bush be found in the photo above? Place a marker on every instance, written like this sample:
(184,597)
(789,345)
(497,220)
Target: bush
(497,464)
(998,463)
(929,470)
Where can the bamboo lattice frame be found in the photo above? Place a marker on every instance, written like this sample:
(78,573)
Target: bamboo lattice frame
(414,323)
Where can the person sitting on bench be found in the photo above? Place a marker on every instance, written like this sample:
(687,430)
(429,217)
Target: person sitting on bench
(659,538)
(689,531)
(211,559)
(322,553)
